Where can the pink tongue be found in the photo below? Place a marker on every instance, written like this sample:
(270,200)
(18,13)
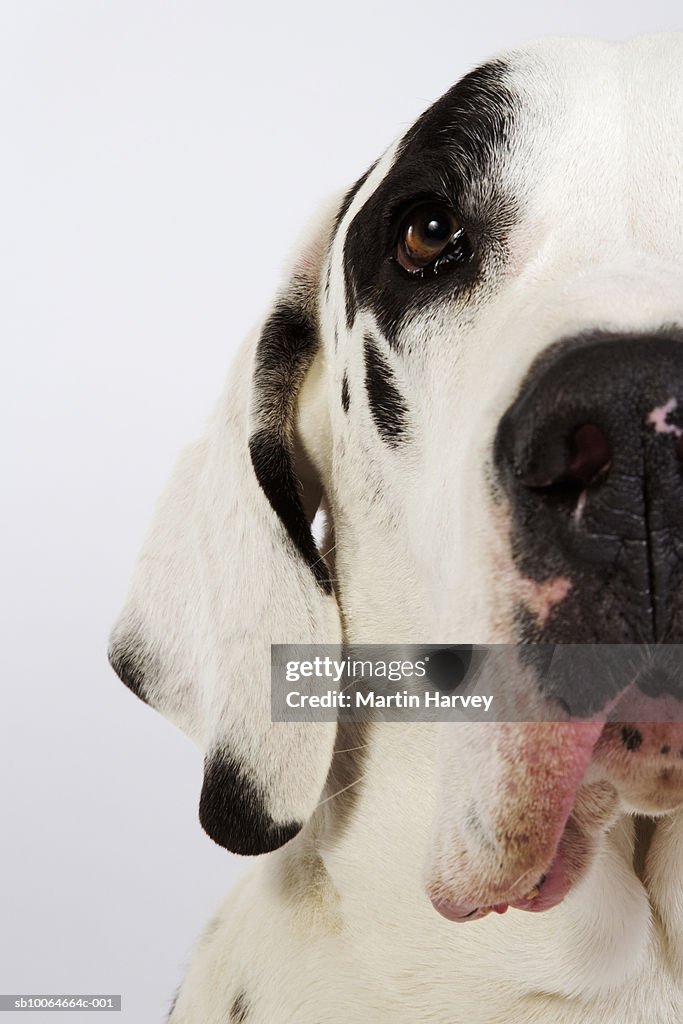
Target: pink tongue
(524,779)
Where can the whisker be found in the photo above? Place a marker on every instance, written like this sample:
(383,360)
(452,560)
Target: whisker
(340,791)
(323,555)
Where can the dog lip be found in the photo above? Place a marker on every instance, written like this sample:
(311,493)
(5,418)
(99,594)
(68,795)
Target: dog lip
(458,911)
(542,872)
(550,889)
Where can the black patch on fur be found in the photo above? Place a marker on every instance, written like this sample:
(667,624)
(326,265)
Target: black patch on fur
(450,153)
(449,666)
(345,397)
(131,663)
(286,348)
(239,1011)
(232,810)
(388,408)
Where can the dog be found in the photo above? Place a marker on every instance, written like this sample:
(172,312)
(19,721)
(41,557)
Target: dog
(473,368)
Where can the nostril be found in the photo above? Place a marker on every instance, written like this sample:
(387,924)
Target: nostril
(589,454)
(567,464)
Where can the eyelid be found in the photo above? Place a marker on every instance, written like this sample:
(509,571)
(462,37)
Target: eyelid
(403,207)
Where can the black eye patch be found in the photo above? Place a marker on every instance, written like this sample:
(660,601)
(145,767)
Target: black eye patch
(450,153)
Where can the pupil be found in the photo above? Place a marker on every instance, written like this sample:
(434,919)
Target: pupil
(438,229)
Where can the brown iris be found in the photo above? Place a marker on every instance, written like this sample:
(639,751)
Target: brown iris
(425,235)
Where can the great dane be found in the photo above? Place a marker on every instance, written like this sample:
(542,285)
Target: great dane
(473,367)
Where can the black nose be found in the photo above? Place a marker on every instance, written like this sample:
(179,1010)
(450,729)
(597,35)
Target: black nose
(589,455)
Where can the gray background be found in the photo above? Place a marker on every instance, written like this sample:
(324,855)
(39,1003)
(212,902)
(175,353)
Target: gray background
(157,159)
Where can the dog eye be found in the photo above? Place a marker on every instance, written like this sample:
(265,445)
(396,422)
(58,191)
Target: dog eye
(430,238)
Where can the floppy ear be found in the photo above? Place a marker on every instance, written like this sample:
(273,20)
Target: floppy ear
(229,567)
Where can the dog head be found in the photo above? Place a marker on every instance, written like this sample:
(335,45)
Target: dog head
(474,368)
